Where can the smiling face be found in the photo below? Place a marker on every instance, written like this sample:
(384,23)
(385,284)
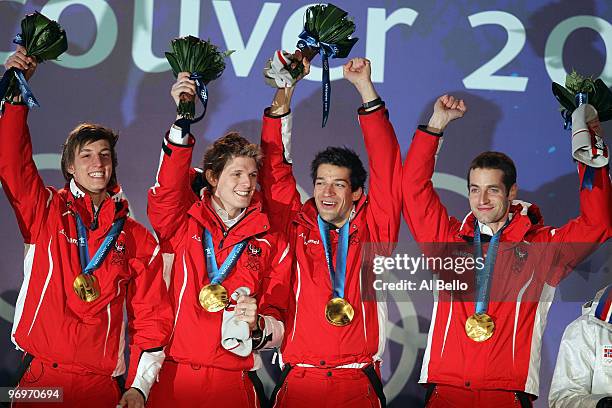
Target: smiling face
(332,193)
(92,168)
(489,200)
(234,187)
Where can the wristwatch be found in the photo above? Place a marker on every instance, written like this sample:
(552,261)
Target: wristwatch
(372,103)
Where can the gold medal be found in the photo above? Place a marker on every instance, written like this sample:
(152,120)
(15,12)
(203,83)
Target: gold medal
(479,327)
(86,287)
(339,312)
(213,297)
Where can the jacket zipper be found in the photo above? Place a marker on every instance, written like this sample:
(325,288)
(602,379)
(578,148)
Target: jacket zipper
(94,224)
(227,230)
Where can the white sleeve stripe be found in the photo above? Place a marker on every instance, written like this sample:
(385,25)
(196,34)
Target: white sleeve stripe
(155,252)
(297,298)
(450,315)
(286,126)
(108,326)
(285,253)
(50,196)
(44,290)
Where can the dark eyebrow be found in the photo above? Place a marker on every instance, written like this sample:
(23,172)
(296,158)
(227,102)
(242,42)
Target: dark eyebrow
(486,186)
(87,149)
(338,179)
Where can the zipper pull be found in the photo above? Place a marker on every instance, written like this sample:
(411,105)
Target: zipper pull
(94,223)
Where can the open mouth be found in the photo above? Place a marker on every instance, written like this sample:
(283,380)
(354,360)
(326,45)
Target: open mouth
(328,204)
(96,174)
(243,193)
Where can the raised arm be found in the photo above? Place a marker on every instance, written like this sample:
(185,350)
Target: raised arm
(582,235)
(20,179)
(384,156)
(425,214)
(280,195)
(171,196)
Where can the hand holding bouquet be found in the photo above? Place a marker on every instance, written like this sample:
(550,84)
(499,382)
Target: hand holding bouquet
(585,103)
(578,90)
(327,31)
(43,40)
(203,61)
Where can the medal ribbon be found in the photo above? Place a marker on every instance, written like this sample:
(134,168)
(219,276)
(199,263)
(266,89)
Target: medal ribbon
(215,274)
(338,274)
(26,92)
(327,51)
(484,274)
(89,266)
(202,94)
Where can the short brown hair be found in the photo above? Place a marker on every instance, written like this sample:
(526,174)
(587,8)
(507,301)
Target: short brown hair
(225,149)
(83,134)
(495,160)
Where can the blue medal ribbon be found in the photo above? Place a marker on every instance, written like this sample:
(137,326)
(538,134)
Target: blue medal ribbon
(327,51)
(90,265)
(24,88)
(567,119)
(484,274)
(202,94)
(215,274)
(337,274)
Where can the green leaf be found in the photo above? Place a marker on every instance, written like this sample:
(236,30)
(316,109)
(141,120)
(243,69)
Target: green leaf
(330,24)
(193,55)
(173,63)
(44,39)
(565,98)
(599,95)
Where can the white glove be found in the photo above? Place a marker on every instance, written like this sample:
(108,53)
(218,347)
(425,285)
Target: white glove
(235,334)
(587,147)
(275,73)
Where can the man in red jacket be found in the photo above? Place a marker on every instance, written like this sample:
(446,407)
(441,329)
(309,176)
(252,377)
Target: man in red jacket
(86,261)
(211,224)
(484,350)
(334,336)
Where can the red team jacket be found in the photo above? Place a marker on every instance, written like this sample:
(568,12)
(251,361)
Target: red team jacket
(309,338)
(179,217)
(51,322)
(523,284)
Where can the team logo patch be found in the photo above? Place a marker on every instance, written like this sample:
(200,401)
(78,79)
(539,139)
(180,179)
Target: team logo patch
(520,258)
(254,250)
(253,261)
(118,257)
(607,355)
